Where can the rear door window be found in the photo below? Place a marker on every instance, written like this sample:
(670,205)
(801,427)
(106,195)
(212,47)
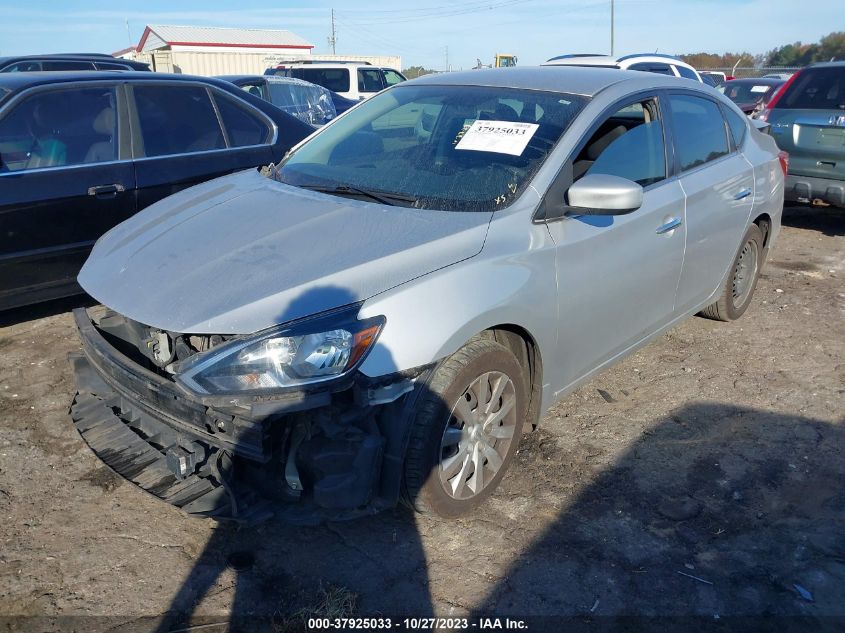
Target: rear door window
(72,126)
(243,127)
(177,120)
(336,79)
(816,89)
(23,67)
(369,80)
(698,129)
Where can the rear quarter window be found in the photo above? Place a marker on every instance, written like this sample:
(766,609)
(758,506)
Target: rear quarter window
(816,89)
(685,72)
(738,125)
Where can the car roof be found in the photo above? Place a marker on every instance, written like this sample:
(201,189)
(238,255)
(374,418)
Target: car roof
(21,81)
(565,79)
(613,60)
(836,64)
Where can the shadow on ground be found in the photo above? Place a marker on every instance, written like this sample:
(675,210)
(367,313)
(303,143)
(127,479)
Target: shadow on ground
(827,220)
(718,512)
(44,309)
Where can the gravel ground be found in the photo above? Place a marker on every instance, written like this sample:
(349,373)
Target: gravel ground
(700,476)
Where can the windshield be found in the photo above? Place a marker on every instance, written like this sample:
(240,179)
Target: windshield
(749,92)
(457,148)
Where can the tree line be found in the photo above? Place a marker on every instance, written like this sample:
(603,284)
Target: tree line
(831,46)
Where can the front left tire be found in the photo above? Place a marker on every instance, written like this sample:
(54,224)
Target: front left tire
(465,429)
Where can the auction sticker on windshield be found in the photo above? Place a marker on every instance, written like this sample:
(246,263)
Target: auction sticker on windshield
(502,137)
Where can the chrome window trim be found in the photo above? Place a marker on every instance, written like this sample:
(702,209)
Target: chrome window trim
(57,167)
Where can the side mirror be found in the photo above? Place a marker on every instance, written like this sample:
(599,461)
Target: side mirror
(601,194)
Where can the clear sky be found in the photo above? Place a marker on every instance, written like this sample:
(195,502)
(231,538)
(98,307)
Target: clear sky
(430,32)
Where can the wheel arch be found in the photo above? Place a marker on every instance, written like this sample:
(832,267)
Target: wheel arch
(523,345)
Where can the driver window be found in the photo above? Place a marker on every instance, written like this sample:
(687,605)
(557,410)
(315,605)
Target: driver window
(629,144)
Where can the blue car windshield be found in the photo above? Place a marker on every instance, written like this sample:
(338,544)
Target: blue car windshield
(456,148)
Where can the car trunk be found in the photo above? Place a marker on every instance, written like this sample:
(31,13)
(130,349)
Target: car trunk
(808,121)
(815,140)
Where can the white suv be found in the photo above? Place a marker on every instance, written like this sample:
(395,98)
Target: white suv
(649,62)
(352,80)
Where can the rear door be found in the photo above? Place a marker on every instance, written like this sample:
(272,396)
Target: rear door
(187,133)
(66,178)
(808,121)
(719,185)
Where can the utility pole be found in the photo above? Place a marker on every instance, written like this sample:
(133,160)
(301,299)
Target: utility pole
(611,25)
(333,39)
(447,57)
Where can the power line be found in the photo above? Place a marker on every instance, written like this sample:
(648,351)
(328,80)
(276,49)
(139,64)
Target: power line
(452,12)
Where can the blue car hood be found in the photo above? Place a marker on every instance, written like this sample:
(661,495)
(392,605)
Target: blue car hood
(242,253)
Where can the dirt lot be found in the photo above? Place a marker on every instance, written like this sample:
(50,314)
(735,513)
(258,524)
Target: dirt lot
(701,476)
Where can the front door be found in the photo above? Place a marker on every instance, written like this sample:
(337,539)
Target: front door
(617,275)
(62,185)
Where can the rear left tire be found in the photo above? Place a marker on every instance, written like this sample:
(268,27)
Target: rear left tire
(742,279)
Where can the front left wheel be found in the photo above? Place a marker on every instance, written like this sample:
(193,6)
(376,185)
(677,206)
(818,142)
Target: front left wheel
(465,430)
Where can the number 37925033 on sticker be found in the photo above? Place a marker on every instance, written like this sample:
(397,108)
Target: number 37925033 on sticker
(503,137)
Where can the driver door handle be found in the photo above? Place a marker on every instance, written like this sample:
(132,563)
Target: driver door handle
(106,191)
(671,224)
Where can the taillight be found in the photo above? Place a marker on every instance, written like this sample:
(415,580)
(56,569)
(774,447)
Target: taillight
(783,158)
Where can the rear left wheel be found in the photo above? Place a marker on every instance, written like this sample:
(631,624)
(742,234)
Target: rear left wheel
(742,280)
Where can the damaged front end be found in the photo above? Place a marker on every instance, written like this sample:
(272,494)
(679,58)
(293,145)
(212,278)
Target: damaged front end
(327,446)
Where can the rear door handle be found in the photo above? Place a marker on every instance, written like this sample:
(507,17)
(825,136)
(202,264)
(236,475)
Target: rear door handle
(106,191)
(742,194)
(673,223)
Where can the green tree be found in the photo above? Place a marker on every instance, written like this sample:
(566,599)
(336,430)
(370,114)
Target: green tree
(416,71)
(831,46)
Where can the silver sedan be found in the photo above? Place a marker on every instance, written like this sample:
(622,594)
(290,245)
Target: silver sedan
(381,316)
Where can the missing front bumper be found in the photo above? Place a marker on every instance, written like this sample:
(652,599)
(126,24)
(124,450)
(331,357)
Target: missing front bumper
(332,462)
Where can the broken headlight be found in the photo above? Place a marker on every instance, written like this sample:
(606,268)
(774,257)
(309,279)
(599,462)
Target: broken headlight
(303,353)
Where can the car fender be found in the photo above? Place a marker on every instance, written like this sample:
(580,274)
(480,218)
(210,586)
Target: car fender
(429,318)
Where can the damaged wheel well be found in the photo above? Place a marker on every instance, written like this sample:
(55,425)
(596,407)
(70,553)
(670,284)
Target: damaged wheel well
(522,345)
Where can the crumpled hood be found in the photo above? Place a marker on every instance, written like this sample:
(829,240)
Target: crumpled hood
(242,253)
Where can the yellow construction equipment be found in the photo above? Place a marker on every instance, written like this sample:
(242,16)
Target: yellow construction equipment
(505,61)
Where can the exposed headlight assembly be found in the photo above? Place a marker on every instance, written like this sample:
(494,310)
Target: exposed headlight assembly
(306,352)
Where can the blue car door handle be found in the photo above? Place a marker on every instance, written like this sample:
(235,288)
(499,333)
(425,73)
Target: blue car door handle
(671,224)
(742,194)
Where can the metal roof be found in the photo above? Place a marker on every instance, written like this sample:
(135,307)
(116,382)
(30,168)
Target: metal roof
(566,79)
(217,36)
